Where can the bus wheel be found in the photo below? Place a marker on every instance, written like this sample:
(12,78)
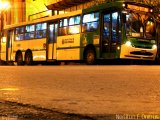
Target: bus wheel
(28,58)
(19,58)
(90,56)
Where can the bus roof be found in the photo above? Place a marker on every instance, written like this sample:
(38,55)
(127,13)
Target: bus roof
(114,5)
(51,18)
(105,6)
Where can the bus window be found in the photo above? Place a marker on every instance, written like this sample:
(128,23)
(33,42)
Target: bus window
(140,25)
(74,20)
(116,31)
(41,30)
(74,25)
(133,25)
(20,33)
(90,22)
(106,28)
(63,26)
(61,23)
(150,29)
(29,34)
(65,22)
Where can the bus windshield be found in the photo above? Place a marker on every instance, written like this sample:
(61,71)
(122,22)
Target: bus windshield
(140,25)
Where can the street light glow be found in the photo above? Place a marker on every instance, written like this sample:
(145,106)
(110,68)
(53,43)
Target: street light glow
(4,5)
(9,89)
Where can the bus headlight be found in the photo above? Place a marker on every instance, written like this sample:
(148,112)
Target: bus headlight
(154,47)
(128,43)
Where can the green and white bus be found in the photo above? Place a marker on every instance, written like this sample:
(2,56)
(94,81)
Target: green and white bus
(112,30)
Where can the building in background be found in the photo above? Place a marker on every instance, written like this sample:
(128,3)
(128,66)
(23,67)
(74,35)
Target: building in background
(28,10)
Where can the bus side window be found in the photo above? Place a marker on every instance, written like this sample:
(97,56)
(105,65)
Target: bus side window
(41,30)
(74,25)
(30,30)
(90,22)
(19,33)
(27,36)
(84,27)
(63,26)
(64,30)
(38,34)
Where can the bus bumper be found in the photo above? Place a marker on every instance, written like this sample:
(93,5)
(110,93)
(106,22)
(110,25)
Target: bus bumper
(129,52)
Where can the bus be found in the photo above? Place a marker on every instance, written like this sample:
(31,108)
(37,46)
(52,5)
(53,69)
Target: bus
(111,30)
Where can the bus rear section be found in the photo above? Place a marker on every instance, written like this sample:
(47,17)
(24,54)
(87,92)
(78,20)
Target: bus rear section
(27,44)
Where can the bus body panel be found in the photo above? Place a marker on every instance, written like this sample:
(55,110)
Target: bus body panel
(68,54)
(68,41)
(38,50)
(68,47)
(39,55)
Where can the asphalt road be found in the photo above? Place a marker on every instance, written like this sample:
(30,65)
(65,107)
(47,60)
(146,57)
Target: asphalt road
(86,90)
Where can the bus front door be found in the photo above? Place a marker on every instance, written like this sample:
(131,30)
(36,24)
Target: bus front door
(110,35)
(10,39)
(52,40)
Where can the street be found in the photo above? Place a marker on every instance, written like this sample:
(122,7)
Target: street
(84,90)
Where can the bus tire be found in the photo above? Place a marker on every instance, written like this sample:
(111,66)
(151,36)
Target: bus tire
(90,56)
(19,58)
(28,58)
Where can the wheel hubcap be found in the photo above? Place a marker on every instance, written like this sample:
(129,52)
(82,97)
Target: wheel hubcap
(90,57)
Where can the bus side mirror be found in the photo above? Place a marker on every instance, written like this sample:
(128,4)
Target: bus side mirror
(124,17)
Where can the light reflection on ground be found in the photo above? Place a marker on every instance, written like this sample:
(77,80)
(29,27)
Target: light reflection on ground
(9,118)
(9,89)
